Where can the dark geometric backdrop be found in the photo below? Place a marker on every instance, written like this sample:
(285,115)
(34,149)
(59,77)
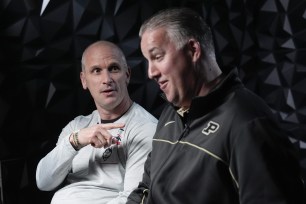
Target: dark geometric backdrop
(40,51)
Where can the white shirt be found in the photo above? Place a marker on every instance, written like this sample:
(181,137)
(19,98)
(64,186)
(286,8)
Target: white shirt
(94,175)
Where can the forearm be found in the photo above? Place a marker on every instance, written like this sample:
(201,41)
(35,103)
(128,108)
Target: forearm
(54,167)
(139,194)
(138,165)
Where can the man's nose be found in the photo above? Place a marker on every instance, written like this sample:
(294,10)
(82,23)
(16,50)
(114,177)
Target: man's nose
(106,78)
(152,70)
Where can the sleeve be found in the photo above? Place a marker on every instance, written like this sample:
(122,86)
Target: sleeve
(55,166)
(140,194)
(264,165)
(139,146)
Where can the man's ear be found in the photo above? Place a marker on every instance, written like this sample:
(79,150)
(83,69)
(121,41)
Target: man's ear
(195,49)
(128,75)
(83,81)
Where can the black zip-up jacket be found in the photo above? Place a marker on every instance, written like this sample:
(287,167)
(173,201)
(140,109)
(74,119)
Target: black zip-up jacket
(227,150)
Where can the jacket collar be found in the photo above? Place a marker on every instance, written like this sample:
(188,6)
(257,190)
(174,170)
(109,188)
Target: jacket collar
(201,105)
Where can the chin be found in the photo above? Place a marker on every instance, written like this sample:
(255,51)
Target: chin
(174,102)
(110,105)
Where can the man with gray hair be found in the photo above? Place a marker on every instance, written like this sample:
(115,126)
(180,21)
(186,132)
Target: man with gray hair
(216,142)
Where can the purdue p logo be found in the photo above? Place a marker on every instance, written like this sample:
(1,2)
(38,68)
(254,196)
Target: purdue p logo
(211,128)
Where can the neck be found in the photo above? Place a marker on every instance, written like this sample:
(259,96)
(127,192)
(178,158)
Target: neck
(116,112)
(207,87)
(212,75)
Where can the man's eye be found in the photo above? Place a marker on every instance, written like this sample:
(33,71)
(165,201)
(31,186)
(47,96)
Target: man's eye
(114,69)
(158,57)
(96,70)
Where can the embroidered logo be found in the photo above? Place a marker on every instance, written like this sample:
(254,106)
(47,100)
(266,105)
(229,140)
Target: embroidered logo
(117,140)
(107,153)
(212,127)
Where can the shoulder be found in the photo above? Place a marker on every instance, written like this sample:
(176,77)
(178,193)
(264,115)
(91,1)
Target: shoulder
(247,106)
(141,115)
(86,120)
(139,122)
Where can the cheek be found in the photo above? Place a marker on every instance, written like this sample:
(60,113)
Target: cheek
(94,83)
(166,67)
(121,82)
(180,75)
(173,66)
(122,86)
(176,70)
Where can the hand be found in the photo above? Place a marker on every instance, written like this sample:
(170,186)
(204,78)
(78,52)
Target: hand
(97,135)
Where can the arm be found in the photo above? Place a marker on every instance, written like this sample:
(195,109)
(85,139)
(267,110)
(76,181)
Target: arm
(138,148)
(264,165)
(141,192)
(54,167)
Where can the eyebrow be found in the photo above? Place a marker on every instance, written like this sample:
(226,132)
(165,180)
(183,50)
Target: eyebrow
(115,63)
(153,49)
(109,65)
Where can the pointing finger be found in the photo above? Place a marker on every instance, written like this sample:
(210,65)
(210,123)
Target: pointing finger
(109,126)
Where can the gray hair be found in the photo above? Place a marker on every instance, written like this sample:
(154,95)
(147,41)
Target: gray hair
(181,24)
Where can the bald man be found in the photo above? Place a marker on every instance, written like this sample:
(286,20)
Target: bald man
(99,158)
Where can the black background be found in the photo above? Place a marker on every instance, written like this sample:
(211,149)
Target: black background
(40,89)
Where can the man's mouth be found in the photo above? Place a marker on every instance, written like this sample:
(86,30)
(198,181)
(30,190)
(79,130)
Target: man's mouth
(162,84)
(108,91)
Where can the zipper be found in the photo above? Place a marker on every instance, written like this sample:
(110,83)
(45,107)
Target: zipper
(185,132)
